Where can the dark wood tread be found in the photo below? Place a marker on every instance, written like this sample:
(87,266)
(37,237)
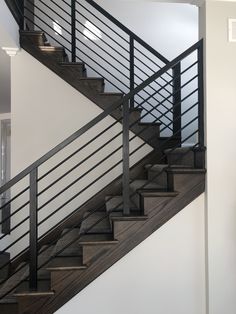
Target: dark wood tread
(186,170)
(111,94)
(44,289)
(160,167)
(97,239)
(66,263)
(71,63)
(116,216)
(34,293)
(51,48)
(153,193)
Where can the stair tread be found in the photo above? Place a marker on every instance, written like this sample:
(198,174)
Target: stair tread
(44,288)
(153,193)
(160,167)
(94,239)
(51,48)
(71,63)
(186,170)
(97,222)
(65,263)
(134,216)
(111,94)
(91,78)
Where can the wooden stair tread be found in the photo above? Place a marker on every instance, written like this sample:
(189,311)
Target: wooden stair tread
(153,193)
(134,216)
(111,94)
(97,239)
(66,263)
(44,289)
(72,63)
(51,48)
(160,167)
(186,170)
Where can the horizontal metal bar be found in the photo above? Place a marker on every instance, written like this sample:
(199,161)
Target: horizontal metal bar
(100,117)
(126,30)
(90,12)
(105,42)
(14,213)
(14,198)
(49,17)
(79,164)
(78,150)
(119,71)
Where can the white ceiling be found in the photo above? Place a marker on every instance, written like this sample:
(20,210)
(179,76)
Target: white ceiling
(5,83)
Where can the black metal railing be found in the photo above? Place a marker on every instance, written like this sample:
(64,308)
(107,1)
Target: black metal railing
(50,190)
(110,50)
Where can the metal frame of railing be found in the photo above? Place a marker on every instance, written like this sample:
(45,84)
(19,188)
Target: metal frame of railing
(177,124)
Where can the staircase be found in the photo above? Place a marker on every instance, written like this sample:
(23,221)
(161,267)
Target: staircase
(55,265)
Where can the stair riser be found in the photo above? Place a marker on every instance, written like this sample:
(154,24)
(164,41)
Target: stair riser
(180,159)
(92,85)
(160,179)
(73,72)
(121,227)
(9,308)
(62,278)
(4,258)
(153,203)
(35,39)
(92,252)
(25,304)
(107,101)
(176,180)
(58,56)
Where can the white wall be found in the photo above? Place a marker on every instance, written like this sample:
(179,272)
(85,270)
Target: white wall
(9,29)
(45,111)
(164,274)
(221,150)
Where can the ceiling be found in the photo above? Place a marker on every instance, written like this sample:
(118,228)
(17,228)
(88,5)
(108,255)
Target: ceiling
(5,83)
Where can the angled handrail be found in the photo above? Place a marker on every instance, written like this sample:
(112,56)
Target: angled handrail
(100,117)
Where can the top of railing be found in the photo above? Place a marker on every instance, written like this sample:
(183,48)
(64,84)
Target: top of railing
(100,117)
(126,30)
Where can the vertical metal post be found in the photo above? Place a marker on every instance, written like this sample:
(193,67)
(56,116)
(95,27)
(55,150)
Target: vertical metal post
(33,264)
(73,30)
(131,44)
(126,174)
(177,100)
(200,95)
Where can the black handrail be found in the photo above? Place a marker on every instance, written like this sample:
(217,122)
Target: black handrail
(100,117)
